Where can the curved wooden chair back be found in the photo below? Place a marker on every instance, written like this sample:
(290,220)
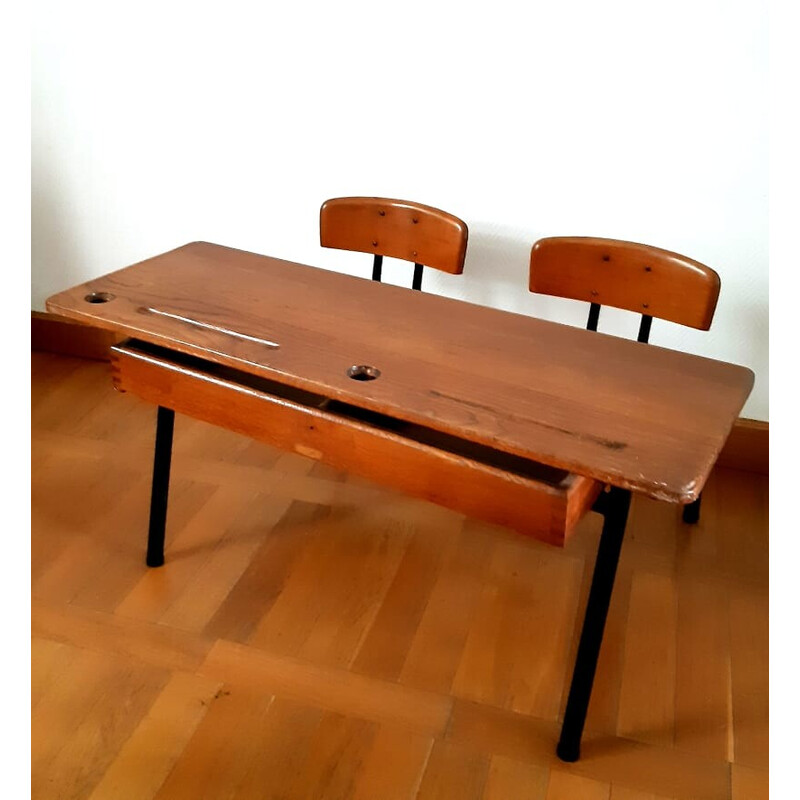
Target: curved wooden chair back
(635,277)
(395,228)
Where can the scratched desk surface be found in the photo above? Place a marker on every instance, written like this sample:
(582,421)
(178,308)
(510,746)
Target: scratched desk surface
(632,415)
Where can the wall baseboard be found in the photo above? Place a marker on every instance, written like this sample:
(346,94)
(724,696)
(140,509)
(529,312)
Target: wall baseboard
(53,333)
(747,447)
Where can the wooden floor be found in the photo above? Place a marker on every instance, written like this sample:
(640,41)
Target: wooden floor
(315,636)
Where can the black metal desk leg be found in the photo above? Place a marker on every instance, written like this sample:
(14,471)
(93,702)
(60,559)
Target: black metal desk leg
(165,423)
(691,513)
(614,506)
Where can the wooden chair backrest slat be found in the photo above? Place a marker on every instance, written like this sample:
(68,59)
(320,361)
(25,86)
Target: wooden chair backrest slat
(395,228)
(626,275)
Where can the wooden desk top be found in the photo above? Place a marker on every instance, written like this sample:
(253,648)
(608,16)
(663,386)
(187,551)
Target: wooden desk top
(632,415)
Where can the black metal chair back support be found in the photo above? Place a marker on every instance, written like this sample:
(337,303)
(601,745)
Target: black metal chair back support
(644,325)
(377,269)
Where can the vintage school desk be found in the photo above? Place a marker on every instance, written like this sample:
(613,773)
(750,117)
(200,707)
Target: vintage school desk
(521,422)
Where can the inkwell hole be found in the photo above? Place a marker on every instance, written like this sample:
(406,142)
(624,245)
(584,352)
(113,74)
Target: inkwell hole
(99,297)
(362,372)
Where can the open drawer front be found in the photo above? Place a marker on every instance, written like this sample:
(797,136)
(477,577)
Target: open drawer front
(479,481)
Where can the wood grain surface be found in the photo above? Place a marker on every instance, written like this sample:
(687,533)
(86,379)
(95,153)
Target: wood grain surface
(631,415)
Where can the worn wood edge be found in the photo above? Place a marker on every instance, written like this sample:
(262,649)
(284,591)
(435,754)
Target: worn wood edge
(747,447)
(53,333)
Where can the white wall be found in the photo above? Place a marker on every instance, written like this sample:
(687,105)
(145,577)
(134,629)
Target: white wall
(155,124)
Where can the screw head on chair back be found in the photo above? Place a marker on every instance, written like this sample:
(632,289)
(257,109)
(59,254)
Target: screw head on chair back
(400,229)
(635,277)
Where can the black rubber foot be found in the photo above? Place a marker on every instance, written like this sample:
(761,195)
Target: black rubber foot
(568,754)
(154,561)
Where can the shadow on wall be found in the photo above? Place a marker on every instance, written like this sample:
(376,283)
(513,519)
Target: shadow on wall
(496,274)
(56,255)
(746,328)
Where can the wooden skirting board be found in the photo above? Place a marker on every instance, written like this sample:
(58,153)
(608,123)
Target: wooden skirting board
(747,447)
(55,334)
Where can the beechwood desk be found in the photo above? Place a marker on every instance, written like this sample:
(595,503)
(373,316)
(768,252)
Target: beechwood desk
(523,423)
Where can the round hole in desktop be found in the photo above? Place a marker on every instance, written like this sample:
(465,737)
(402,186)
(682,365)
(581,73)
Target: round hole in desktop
(99,297)
(362,372)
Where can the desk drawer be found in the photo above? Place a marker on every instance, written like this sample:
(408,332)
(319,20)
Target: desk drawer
(498,487)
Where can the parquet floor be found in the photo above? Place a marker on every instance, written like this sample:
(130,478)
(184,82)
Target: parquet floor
(315,636)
